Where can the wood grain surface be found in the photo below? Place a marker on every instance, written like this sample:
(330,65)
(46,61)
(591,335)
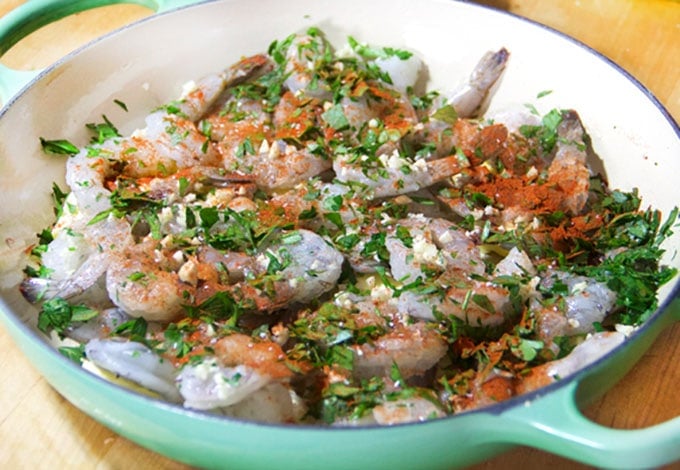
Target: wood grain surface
(40,430)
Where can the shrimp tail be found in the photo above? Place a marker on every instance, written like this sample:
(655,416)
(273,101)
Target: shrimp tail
(36,289)
(211,88)
(471,98)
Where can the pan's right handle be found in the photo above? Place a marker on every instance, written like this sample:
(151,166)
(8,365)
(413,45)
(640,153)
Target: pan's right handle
(34,14)
(555,423)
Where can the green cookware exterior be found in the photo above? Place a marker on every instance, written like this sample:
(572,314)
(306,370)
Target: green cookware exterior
(549,419)
(35,14)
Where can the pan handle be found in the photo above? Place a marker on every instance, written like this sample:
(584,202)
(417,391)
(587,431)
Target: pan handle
(34,14)
(553,422)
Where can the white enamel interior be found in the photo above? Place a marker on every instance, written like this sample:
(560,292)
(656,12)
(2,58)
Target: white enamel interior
(146,64)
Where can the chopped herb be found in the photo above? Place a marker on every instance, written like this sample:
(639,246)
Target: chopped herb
(57,314)
(58,147)
(121,104)
(102,131)
(446,114)
(335,117)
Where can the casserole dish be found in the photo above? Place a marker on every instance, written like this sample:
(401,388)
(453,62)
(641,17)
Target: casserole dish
(548,418)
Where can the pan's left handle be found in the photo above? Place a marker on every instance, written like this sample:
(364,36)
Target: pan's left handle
(34,14)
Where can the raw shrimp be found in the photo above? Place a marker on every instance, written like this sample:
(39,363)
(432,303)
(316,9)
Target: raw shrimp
(443,129)
(476,303)
(434,245)
(136,362)
(155,284)
(406,411)
(98,327)
(75,261)
(586,303)
(300,268)
(568,169)
(265,357)
(243,374)
(250,143)
(206,92)
(394,339)
(403,72)
(590,350)
(167,144)
(276,165)
(380,105)
(170,141)
(390,175)
(207,385)
(273,403)
(146,282)
(413,348)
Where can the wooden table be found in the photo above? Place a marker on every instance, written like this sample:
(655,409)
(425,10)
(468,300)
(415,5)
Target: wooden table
(39,429)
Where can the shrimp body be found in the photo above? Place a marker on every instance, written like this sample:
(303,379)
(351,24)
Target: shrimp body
(393,174)
(77,258)
(413,348)
(304,54)
(406,411)
(208,385)
(156,284)
(143,283)
(568,169)
(586,303)
(591,349)
(277,165)
(246,378)
(135,362)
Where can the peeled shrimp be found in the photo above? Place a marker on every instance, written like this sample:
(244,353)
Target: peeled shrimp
(208,385)
(394,174)
(169,142)
(273,403)
(435,245)
(100,326)
(265,357)
(276,165)
(207,91)
(467,102)
(135,362)
(312,268)
(477,303)
(593,348)
(587,302)
(156,284)
(404,73)
(246,372)
(407,410)
(568,169)
(77,260)
(413,348)
(145,282)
